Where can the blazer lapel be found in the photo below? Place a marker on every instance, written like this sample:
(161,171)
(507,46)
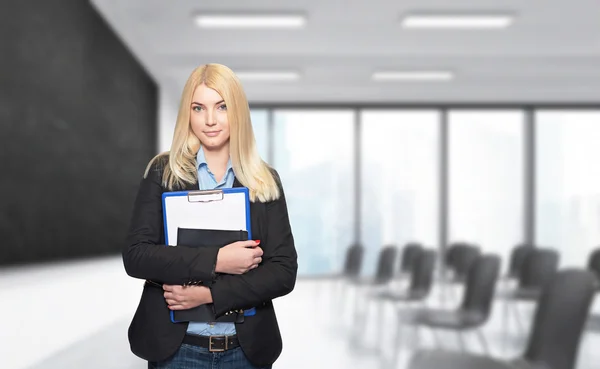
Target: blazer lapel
(257,216)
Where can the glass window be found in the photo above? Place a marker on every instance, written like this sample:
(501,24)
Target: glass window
(486,179)
(313,153)
(568,183)
(260,126)
(400,180)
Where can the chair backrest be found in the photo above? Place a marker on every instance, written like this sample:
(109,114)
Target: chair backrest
(410,254)
(386,264)
(594,263)
(539,268)
(353,262)
(517,259)
(421,278)
(464,257)
(449,255)
(481,284)
(560,319)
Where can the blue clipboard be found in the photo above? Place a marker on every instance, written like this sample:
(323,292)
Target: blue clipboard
(226,209)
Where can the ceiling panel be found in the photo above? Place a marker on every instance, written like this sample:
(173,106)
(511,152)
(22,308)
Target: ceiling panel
(551,54)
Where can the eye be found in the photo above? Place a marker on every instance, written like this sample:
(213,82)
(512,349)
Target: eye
(223,107)
(196,108)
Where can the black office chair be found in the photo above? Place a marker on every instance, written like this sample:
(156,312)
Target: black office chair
(463,258)
(352,269)
(554,341)
(410,254)
(594,265)
(352,262)
(450,255)
(538,269)
(383,275)
(516,261)
(476,305)
(517,258)
(459,258)
(421,279)
(384,272)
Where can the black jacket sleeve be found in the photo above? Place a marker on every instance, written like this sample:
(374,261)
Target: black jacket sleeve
(145,256)
(275,277)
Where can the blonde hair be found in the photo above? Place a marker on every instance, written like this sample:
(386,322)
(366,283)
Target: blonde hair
(249,169)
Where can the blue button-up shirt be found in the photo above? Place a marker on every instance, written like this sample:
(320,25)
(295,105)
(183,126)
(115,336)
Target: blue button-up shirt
(207,181)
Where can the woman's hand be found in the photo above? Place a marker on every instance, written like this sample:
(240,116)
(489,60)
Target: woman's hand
(186,297)
(239,257)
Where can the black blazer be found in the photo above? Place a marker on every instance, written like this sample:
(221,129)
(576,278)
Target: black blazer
(152,335)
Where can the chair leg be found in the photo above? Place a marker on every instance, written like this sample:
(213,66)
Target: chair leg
(356,312)
(436,339)
(361,324)
(517,317)
(442,292)
(483,341)
(506,323)
(461,341)
(397,341)
(417,338)
(379,328)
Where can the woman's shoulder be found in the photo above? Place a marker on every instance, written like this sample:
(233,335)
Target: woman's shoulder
(275,175)
(156,166)
(159,162)
(278,183)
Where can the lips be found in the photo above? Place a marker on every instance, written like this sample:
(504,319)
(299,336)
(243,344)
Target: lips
(212,133)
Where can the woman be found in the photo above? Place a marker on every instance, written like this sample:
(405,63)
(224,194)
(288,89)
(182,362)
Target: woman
(213,147)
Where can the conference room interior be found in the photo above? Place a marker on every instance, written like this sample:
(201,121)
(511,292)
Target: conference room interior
(441,179)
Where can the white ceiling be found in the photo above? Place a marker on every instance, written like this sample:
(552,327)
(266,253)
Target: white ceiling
(550,54)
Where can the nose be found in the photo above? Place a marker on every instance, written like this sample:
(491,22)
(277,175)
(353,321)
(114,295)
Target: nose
(211,119)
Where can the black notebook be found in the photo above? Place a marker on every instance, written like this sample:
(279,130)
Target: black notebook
(206,238)
(209,237)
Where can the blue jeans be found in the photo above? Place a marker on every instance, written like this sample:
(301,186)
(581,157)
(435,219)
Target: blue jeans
(194,357)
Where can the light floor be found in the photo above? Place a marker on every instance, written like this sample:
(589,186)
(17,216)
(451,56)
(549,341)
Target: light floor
(76,314)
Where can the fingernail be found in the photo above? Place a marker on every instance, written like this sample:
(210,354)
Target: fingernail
(257,241)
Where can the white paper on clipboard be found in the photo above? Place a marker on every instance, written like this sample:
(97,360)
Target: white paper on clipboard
(226,209)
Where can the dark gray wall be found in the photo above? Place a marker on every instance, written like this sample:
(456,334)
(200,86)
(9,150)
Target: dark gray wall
(77,127)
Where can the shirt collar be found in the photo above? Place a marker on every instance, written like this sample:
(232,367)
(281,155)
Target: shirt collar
(201,160)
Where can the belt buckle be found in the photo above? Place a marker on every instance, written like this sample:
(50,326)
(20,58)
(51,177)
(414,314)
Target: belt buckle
(210,344)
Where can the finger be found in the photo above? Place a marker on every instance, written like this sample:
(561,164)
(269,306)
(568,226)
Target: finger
(257,252)
(168,287)
(249,243)
(257,261)
(254,266)
(176,307)
(177,289)
(169,295)
(171,302)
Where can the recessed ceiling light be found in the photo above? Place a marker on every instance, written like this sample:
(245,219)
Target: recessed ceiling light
(465,21)
(249,21)
(413,76)
(266,76)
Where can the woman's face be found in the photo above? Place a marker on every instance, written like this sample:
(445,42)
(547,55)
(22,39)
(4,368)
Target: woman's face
(208,118)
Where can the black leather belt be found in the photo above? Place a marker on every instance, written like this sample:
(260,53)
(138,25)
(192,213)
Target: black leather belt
(212,343)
